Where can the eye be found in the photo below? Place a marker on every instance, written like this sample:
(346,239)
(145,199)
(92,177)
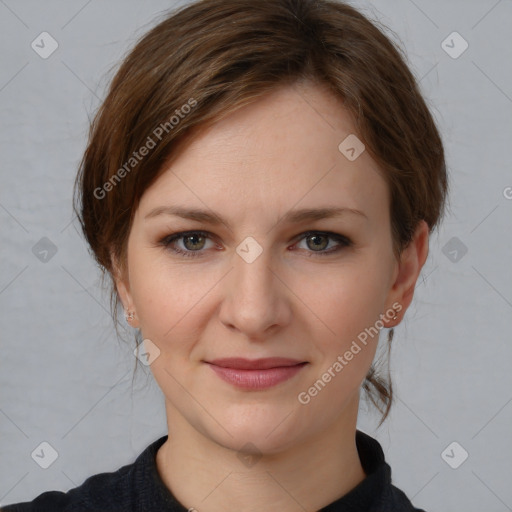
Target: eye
(320,240)
(194,241)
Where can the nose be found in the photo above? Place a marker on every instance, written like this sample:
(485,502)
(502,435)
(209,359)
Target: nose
(255,298)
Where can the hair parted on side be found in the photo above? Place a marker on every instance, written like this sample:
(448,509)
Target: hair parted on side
(209,58)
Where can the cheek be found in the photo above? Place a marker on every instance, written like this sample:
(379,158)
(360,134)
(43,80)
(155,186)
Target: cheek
(345,334)
(345,300)
(154,295)
(162,301)
(169,299)
(347,303)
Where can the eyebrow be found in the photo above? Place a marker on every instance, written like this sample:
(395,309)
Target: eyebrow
(292,217)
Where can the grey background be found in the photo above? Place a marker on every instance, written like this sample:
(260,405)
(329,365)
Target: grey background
(66,379)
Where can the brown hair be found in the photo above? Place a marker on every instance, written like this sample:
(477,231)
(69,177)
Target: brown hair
(208,59)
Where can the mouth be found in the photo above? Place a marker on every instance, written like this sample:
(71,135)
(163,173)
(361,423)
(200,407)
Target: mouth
(256,374)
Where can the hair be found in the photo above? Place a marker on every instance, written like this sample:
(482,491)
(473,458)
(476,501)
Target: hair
(209,58)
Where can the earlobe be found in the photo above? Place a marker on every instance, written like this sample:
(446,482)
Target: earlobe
(412,259)
(124,294)
(123,290)
(126,299)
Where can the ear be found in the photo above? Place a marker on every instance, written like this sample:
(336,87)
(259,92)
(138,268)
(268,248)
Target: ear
(412,259)
(122,284)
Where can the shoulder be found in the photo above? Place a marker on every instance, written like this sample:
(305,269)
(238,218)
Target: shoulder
(395,500)
(385,497)
(104,491)
(133,486)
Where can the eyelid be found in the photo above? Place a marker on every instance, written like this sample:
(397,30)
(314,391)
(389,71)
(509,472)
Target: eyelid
(342,240)
(168,240)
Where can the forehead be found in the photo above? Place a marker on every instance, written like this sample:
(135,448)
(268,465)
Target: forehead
(276,153)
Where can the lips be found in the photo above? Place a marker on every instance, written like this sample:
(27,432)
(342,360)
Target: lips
(256,374)
(255,364)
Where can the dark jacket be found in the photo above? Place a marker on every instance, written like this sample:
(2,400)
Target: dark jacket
(138,487)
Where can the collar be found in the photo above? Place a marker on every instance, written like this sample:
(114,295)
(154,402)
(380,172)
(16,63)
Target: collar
(154,495)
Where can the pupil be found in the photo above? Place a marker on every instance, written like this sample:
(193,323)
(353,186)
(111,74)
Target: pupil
(316,237)
(193,237)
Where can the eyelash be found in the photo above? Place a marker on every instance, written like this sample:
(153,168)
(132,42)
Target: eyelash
(169,239)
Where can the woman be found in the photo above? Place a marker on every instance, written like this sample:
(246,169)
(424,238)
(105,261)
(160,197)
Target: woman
(260,183)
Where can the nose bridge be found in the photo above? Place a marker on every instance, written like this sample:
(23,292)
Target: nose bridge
(252,273)
(253,295)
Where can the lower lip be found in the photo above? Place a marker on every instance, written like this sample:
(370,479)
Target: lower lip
(256,379)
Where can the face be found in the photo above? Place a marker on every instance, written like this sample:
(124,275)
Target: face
(251,278)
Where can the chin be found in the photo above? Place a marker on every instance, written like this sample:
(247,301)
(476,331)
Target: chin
(257,428)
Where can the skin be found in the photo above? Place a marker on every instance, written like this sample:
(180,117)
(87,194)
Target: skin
(277,154)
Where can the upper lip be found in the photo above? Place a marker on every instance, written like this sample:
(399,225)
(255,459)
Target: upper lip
(255,364)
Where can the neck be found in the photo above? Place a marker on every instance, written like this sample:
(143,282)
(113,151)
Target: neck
(209,477)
